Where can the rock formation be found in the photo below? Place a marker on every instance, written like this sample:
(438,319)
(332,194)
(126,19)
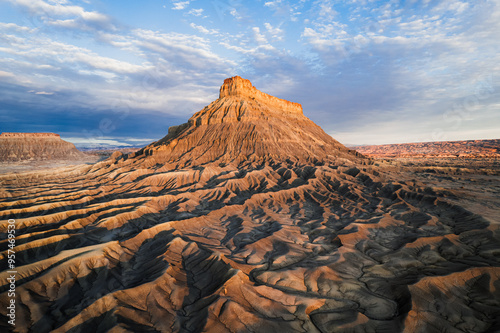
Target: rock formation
(16,147)
(467,148)
(248,218)
(29,135)
(245,125)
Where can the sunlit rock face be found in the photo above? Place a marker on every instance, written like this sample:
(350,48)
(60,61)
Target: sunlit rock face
(241,89)
(247,218)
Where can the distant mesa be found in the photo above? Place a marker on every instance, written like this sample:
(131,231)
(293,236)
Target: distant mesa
(29,135)
(464,148)
(18,147)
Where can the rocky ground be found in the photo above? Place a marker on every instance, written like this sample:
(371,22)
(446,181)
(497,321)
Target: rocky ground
(38,166)
(474,183)
(88,157)
(273,246)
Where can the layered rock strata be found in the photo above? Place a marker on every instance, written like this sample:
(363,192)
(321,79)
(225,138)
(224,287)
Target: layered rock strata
(467,149)
(18,147)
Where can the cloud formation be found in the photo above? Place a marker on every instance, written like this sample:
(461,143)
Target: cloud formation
(368,72)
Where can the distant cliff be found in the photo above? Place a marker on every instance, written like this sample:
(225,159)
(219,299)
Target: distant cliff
(469,148)
(29,135)
(17,147)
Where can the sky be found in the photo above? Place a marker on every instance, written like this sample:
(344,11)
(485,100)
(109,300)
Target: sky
(119,73)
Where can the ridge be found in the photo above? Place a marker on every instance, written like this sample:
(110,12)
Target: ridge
(28,135)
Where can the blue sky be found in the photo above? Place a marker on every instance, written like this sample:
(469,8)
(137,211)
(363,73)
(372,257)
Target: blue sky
(366,71)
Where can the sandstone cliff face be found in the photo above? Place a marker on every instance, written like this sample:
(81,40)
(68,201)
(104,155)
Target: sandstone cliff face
(206,230)
(16,147)
(243,89)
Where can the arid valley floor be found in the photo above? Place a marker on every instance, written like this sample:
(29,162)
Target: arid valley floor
(250,218)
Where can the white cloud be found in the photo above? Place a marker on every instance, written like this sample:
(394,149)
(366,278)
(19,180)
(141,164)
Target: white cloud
(180,5)
(258,51)
(456,7)
(187,49)
(13,26)
(104,74)
(259,38)
(59,2)
(326,10)
(204,30)
(64,15)
(97,142)
(6,74)
(275,32)
(139,140)
(69,23)
(196,12)
(273,3)
(287,10)
(420,65)
(59,8)
(234,13)
(43,49)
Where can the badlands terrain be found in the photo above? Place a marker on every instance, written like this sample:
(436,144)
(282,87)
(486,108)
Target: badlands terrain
(468,148)
(37,151)
(250,218)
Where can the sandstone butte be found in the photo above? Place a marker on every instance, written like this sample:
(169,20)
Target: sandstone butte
(17,147)
(248,218)
(245,124)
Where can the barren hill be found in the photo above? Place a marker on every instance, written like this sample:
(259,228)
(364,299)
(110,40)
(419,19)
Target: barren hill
(15,147)
(248,218)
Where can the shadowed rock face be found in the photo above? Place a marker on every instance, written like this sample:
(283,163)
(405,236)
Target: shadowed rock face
(16,147)
(249,219)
